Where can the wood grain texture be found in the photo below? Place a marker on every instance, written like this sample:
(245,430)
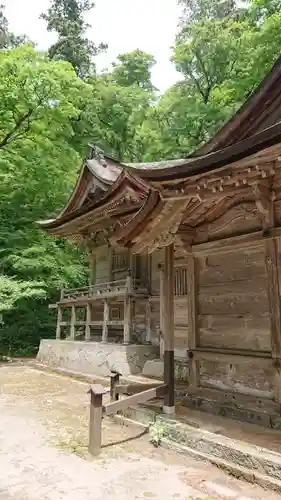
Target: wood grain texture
(234,266)
(235,331)
(273,297)
(156,258)
(230,222)
(234,314)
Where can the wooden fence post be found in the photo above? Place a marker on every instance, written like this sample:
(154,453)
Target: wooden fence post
(114,380)
(59,320)
(97,391)
(73,323)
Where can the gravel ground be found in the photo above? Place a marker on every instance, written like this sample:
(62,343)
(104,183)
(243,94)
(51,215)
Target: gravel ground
(43,451)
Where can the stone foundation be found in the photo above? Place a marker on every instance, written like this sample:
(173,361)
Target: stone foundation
(95,358)
(155,368)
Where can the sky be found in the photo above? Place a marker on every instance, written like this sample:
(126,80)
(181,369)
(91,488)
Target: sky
(125,25)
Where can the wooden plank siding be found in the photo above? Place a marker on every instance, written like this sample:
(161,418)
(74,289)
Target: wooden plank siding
(233,311)
(231,294)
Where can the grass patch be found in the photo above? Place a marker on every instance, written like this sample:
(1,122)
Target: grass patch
(76,446)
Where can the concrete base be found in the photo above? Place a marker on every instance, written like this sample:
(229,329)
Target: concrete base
(155,369)
(95,358)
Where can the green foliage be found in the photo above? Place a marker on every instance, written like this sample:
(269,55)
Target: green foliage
(25,325)
(134,69)
(65,17)
(52,105)
(197,10)
(223,51)
(260,9)
(157,431)
(11,291)
(38,167)
(119,103)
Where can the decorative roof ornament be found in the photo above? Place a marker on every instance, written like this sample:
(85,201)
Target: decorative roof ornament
(97,153)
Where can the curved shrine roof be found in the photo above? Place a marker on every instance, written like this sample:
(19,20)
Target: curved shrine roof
(254,130)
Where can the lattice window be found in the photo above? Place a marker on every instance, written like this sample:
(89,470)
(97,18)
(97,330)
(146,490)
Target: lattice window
(120,261)
(180,285)
(115,314)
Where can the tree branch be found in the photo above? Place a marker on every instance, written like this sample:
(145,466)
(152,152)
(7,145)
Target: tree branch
(209,83)
(10,136)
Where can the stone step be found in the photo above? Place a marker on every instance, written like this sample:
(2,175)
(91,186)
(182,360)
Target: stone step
(252,462)
(242,459)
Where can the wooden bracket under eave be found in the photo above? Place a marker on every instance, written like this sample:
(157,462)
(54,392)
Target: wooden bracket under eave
(264,199)
(185,238)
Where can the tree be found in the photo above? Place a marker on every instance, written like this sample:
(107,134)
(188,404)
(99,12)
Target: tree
(38,168)
(197,10)
(3,28)
(40,98)
(8,39)
(260,9)
(120,101)
(66,18)
(223,52)
(134,68)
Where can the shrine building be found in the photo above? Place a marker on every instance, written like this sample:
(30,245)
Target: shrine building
(185,268)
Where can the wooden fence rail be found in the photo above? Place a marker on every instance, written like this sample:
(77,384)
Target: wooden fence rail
(129,389)
(140,397)
(138,393)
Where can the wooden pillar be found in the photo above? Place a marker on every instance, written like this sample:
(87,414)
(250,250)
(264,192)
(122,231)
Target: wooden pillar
(168,327)
(148,336)
(194,374)
(110,258)
(128,310)
(105,321)
(273,267)
(72,322)
(129,284)
(132,262)
(128,305)
(88,323)
(161,340)
(59,320)
(92,262)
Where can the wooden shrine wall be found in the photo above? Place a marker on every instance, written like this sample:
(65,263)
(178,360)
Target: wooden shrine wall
(233,314)
(232,317)
(102,264)
(233,300)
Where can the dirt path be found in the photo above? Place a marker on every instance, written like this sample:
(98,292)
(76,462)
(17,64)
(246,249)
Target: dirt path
(43,451)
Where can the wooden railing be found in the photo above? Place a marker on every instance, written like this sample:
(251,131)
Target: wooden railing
(107,289)
(125,290)
(137,393)
(94,290)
